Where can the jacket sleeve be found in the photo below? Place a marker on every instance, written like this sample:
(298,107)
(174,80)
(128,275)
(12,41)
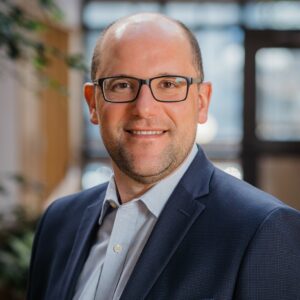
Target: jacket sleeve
(271,266)
(34,289)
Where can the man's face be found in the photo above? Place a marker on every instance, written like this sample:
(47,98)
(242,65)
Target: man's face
(147,139)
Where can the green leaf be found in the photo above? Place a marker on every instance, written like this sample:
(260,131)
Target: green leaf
(33,25)
(52,7)
(15,260)
(76,61)
(18,178)
(39,62)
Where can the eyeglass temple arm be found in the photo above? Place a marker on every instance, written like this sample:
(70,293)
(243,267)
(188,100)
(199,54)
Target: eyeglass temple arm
(196,80)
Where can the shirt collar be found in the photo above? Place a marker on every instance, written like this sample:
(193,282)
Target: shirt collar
(156,197)
(110,199)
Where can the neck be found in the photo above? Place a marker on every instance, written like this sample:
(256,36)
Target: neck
(129,188)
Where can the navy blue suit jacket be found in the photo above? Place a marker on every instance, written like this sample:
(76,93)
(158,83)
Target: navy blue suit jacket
(217,238)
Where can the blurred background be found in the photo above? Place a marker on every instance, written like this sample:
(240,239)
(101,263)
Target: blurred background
(48,148)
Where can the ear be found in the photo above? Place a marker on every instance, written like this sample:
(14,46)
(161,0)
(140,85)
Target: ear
(89,94)
(205,90)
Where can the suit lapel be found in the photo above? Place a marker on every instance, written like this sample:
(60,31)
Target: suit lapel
(81,247)
(180,212)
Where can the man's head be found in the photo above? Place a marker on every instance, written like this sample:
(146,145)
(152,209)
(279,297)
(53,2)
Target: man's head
(147,139)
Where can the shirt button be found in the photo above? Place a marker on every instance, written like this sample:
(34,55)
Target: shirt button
(112,204)
(117,248)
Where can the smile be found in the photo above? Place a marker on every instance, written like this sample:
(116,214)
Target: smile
(147,132)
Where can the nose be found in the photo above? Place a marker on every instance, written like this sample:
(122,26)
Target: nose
(145,105)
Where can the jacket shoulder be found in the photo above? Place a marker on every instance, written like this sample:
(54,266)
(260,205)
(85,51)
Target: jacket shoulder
(239,207)
(79,200)
(236,193)
(73,205)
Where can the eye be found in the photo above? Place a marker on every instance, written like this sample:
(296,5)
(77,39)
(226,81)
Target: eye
(119,85)
(168,84)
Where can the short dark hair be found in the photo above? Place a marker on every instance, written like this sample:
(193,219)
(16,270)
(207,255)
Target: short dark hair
(196,52)
(97,50)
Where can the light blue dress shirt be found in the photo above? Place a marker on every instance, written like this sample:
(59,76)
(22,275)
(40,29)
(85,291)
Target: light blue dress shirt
(123,232)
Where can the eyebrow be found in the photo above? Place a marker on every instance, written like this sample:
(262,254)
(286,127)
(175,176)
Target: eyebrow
(116,75)
(127,75)
(163,74)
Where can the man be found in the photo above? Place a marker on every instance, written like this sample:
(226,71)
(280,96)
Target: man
(168,225)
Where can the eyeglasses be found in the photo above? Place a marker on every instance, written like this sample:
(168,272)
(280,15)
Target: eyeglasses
(167,88)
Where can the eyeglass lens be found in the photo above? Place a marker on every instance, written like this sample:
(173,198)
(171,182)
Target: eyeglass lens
(122,89)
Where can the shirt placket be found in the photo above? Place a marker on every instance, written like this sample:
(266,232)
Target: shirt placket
(117,250)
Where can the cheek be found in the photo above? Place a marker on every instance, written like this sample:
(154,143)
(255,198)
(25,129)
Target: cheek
(106,112)
(184,115)
(111,116)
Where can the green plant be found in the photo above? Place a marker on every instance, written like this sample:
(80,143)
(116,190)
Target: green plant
(16,238)
(20,39)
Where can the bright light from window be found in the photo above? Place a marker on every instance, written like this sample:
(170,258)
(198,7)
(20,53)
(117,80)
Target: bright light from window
(233,168)
(207,132)
(273,14)
(95,174)
(234,172)
(100,14)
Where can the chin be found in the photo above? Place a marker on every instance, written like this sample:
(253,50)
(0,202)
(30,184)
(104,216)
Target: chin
(150,175)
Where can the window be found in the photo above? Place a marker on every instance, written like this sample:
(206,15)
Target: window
(221,30)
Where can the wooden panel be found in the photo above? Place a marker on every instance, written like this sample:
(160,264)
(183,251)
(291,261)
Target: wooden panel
(45,152)
(54,112)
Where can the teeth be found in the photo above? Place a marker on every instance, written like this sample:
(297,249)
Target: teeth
(147,132)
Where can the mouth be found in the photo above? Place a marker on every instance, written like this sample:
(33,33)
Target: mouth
(146,133)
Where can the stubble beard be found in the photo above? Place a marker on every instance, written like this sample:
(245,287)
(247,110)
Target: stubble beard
(169,160)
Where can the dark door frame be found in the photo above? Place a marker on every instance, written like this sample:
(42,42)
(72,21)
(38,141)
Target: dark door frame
(252,147)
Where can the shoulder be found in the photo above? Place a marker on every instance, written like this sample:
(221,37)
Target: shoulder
(73,205)
(64,215)
(81,199)
(238,194)
(224,191)
(231,201)
(243,209)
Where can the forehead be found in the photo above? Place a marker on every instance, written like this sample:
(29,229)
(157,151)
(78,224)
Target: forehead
(139,42)
(145,23)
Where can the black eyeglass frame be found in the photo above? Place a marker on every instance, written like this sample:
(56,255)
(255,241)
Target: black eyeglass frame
(189,80)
